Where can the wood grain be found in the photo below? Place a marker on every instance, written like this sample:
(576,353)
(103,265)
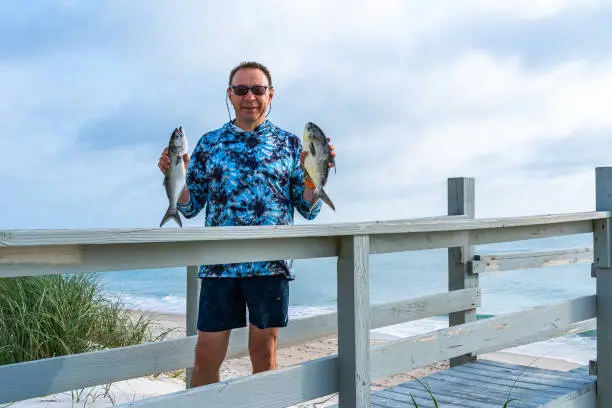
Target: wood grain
(17,238)
(531,259)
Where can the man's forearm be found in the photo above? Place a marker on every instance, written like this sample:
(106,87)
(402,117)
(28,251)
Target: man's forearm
(308,194)
(184,197)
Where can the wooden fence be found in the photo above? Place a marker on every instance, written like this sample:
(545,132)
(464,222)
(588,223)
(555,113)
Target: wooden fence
(40,252)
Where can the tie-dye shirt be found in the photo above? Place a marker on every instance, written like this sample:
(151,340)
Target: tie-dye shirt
(247,178)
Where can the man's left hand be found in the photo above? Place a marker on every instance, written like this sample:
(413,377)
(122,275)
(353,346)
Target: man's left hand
(304,153)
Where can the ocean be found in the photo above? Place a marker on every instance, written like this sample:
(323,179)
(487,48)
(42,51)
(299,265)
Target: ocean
(400,276)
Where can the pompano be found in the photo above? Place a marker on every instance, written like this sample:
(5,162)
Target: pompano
(316,162)
(175,176)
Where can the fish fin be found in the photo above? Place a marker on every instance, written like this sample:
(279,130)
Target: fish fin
(325,198)
(171,214)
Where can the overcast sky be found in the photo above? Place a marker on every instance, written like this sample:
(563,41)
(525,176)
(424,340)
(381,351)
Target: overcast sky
(514,93)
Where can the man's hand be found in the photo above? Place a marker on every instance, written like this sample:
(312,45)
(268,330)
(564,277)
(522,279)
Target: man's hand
(304,153)
(164,161)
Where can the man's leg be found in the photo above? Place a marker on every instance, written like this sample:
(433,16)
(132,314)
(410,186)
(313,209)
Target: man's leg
(268,302)
(222,308)
(262,348)
(210,352)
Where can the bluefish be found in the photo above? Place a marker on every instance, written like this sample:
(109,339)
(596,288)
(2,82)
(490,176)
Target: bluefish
(175,176)
(316,162)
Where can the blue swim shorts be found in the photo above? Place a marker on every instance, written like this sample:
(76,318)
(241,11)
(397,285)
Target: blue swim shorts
(223,302)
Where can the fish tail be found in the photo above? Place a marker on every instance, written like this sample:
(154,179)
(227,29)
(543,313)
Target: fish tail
(171,214)
(325,198)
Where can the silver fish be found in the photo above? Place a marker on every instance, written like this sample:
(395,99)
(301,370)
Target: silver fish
(316,162)
(175,176)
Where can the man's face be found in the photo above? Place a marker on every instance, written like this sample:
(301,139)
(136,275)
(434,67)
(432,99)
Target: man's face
(250,108)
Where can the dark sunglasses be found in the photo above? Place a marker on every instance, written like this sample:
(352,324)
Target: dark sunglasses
(242,90)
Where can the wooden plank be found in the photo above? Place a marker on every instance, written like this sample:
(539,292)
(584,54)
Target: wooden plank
(423,399)
(88,369)
(574,328)
(417,241)
(584,397)
(531,259)
(487,390)
(53,375)
(381,315)
(603,253)
(459,395)
(482,387)
(485,335)
(354,322)
(528,390)
(46,255)
(191,310)
(391,313)
(123,257)
(559,384)
(37,238)
(115,257)
(487,384)
(276,388)
(601,239)
(575,376)
(461,197)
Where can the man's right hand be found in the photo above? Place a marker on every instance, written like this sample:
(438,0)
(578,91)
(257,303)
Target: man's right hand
(164,161)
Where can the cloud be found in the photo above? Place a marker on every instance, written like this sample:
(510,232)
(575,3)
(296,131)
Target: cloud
(410,92)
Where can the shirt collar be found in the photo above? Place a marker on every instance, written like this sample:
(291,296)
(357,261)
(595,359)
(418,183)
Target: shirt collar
(263,128)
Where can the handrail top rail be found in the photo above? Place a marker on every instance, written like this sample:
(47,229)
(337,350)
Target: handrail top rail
(49,237)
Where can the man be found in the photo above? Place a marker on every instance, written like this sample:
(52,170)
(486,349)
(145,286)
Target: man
(248,172)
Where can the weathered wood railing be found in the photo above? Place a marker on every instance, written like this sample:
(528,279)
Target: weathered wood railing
(36,252)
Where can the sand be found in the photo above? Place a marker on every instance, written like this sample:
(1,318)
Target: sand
(149,386)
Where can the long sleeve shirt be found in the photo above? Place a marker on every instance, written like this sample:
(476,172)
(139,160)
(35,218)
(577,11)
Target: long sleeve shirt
(247,178)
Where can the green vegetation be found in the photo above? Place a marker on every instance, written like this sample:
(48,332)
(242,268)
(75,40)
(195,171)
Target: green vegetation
(433,398)
(50,316)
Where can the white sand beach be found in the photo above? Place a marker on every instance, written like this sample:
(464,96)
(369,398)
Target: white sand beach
(144,387)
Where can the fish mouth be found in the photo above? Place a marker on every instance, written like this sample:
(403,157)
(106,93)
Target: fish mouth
(314,130)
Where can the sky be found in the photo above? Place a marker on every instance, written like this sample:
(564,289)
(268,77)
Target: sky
(515,94)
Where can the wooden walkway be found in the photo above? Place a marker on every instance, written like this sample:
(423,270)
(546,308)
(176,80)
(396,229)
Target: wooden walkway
(489,384)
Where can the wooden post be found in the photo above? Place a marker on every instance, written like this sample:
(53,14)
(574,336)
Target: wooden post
(191,309)
(461,199)
(602,246)
(354,322)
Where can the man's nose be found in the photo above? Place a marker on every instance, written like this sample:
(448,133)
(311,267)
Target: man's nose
(249,94)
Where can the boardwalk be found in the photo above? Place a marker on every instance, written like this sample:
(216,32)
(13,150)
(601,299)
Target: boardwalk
(489,384)
(467,384)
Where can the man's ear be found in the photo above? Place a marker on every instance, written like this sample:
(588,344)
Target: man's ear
(271,93)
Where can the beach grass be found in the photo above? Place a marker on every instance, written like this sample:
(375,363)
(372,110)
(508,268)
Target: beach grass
(56,315)
(435,402)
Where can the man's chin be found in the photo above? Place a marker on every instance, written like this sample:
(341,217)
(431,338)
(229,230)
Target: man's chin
(250,116)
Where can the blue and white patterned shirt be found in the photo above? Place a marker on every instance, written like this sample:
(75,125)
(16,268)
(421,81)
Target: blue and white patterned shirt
(247,178)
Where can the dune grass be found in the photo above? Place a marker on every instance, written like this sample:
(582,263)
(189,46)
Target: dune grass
(55,315)
(435,402)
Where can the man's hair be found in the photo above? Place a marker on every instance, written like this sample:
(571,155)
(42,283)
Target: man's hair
(250,64)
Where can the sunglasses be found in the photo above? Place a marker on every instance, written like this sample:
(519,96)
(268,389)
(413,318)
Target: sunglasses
(242,90)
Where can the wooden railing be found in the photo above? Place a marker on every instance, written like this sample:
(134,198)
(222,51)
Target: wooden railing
(39,252)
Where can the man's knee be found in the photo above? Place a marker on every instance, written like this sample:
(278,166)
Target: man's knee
(262,348)
(211,349)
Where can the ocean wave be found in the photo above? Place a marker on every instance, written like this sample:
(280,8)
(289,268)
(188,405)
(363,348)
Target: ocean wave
(177,304)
